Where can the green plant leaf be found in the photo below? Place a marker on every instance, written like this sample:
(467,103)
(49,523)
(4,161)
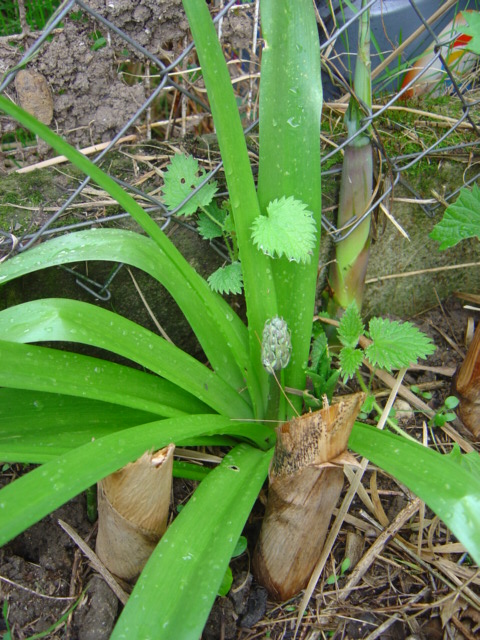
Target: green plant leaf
(37,426)
(260,293)
(34,495)
(351,326)
(288,229)
(193,555)
(227,279)
(45,369)
(74,321)
(448,484)
(396,344)
(226,583)
(210,228)
(350,361)
(183,176)
(461,219)
(289,158)
(473,30)
(451,402)
(319,352)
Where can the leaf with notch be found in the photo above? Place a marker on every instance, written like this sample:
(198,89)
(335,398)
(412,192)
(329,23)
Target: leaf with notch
(182,177)
(288,229)
(396,344)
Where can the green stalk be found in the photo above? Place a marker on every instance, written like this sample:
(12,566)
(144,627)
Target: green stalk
(289,163)
(258,279)
(347,276)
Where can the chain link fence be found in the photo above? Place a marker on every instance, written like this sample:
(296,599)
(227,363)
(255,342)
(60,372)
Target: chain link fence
(119,76)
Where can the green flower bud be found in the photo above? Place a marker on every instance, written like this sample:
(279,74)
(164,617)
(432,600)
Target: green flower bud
(276,344)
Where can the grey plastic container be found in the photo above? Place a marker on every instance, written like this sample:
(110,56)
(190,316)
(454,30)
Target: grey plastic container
(391,23)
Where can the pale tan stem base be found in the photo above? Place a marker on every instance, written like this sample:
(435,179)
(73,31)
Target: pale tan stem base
(133,506)
(306,478)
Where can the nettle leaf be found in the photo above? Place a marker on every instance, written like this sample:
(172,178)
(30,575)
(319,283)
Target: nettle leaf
(211,226)
(350,361)
(461,219)
(288,229)
(351,326)
(227,279)
(319,351)
(472,30)
(396,344)
(181,178)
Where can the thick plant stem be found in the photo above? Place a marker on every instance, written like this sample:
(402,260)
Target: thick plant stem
(306,478)
(347,275)
(133,506)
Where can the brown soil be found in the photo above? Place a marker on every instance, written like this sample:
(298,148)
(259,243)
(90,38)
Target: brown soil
(95,91)
(407,591)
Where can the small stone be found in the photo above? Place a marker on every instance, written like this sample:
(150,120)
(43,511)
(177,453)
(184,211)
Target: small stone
(34,95)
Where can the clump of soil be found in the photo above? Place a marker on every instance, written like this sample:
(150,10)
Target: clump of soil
(96,89)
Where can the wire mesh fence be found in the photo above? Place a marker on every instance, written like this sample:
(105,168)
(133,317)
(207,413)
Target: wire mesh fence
(124,76)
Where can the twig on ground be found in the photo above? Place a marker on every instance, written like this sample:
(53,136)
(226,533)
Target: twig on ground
(97,565)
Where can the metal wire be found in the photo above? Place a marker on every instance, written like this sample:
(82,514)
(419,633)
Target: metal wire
(397,165)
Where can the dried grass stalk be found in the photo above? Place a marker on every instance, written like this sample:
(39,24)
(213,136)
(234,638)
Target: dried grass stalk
(306,478)
(133,506)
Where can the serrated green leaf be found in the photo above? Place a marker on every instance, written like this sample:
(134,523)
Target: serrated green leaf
(350,361)
(319,351)
(473,30)
(181,178)
(351,326)
(461,219)
(396,344)
(227,279)
(210,225)
(288,229)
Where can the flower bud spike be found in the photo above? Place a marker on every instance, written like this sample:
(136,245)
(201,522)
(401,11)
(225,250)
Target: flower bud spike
(276,344)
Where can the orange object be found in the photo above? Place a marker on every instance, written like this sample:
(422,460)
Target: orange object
(460,61)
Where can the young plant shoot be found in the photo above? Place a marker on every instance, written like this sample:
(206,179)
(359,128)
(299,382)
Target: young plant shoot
(347,274)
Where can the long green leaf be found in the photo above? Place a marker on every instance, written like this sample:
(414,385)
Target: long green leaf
(74,321)
(44,369)
(34,495)
(228,353)
(257,274)
(289,162)
(36,426)
(448,484)
(117,245)
(177,588)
